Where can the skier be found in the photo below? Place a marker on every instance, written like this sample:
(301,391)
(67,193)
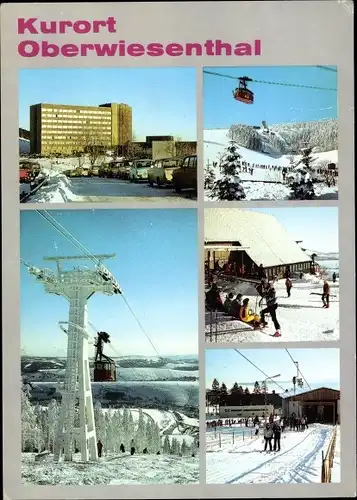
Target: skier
(334,278)
(268,436)
(99,448)
(247,315)
(132,447)
(277,435)
(288,286)
(256,429)
(326,295)
(122,449)
(228,304)
(271,308)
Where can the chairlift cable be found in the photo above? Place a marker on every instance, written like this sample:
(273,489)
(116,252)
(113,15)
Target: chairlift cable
(261,371)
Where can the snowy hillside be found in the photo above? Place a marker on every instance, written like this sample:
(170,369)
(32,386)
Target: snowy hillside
(287,138)
(266,181)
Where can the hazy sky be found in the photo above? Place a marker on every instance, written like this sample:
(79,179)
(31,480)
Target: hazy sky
(320,367)
(163,99)
(273,103)
(155,264)
(316,226)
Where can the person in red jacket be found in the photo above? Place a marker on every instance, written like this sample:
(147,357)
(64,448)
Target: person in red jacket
(326,295)
(288,286)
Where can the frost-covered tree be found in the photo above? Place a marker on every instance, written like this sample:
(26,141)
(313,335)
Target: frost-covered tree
(166,445)
(302,177)
(53,416)
(184,448)
(210,175)
(99,421)
(28,422)
(229,187)
(140,436)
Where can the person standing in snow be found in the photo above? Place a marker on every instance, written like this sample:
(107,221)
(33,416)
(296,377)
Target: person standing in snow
(256,429)
(261,272)
(99,448)
(132,447)
(277,436)
(268,436)
(326,295)
(271,308)
(302,423)
(284,172)
(122,449)
(334,278)
(288,286)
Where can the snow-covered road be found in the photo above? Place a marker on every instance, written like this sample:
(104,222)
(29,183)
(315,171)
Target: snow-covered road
(301,317)
(299,460)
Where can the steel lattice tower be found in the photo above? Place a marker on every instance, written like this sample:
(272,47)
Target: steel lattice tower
(77,285)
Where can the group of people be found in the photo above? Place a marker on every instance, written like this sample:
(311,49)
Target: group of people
(121,448)
(240,309)
(298,423)
(272,433)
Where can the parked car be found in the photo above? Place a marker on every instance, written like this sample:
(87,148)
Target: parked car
(161,171)
(185,177)
(139,170)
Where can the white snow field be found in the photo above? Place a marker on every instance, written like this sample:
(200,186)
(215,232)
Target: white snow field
(123,469)
(61,189)
(301,317)
(299,460)
(215,142)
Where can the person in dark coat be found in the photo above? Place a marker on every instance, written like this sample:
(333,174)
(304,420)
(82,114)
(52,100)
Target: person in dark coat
(260,288)
(213,298)
(261,272)
(145,450)
(122,448)
(288,286)
(326,295)
(132,447)
(271,308)
(268,436)
(236,305)
(334,278)
(277,436)
(99,448)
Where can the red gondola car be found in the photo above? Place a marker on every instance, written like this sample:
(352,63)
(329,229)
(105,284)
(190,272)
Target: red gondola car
(104,367)
(242,93)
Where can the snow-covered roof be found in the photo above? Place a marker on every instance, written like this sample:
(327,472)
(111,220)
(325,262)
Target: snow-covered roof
(267,241)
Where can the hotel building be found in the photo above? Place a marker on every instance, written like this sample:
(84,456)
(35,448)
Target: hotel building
(66,129)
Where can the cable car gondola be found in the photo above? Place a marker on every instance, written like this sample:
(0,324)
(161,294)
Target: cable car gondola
(104,367)
(242,93)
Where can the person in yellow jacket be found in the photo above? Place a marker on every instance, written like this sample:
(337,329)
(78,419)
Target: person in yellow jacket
(247,315)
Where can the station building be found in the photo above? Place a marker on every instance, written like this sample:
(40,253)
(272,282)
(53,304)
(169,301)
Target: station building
(319,405)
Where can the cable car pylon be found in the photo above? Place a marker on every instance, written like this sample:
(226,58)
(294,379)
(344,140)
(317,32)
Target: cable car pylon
(76,285)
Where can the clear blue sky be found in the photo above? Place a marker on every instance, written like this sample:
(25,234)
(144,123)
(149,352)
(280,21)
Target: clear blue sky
(316,226)
(320,367)
(273,103)
(163,99)
(156,266)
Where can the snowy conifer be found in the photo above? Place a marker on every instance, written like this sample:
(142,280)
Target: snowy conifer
(210,175)
(28,422)
(184,448)
(53,415)
(302,177)
(229,187)
(166,446)
(140,438)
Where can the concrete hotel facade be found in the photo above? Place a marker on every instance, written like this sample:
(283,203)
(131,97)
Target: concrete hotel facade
(65,129)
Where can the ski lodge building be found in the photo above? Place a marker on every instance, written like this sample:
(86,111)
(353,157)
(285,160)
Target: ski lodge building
(319,405)
(247,238)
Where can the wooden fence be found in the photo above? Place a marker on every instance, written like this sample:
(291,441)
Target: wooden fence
(327,459)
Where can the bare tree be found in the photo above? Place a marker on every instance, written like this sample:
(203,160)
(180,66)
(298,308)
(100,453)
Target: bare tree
(94,146)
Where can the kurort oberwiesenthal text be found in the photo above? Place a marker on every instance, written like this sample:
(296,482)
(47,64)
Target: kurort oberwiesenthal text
(45,48)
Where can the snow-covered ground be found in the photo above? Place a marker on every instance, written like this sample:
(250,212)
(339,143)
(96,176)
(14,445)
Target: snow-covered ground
(61,189)
(123,469)
(299,460)
(301,317)
(267,183)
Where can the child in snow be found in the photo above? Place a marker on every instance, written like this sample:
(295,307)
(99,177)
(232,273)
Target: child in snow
(326,295)
(288,285)
(247,315)
(268,436)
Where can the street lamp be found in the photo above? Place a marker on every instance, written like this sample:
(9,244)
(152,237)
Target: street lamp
(265,392)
